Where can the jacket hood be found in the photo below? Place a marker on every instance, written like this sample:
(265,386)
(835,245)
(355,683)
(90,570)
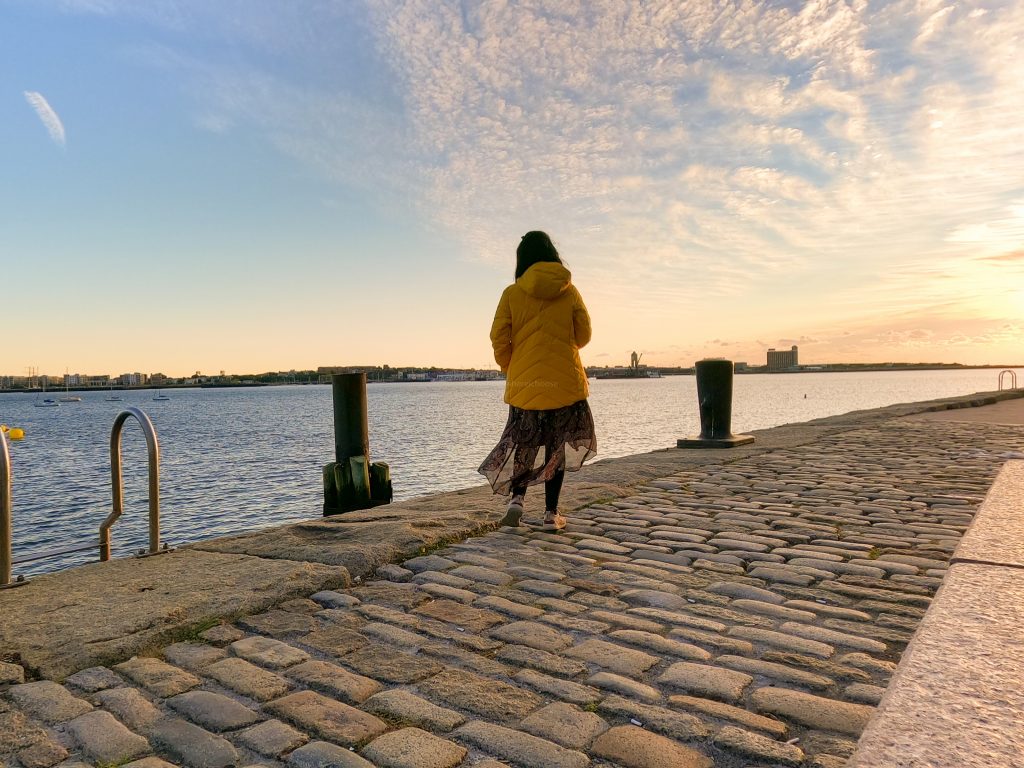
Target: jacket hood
(546,280)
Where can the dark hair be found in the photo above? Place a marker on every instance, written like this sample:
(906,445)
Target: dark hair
(534,248)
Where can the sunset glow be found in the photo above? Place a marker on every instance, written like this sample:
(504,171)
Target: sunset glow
(248,185)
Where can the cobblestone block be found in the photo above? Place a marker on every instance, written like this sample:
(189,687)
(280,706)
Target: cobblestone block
(103,739)
(659,644)
(705,679)
(429,563)
(130,706)
(45,753)
(193,656)
(445,592)
(413,748)
(532,634)
(518,748)
(441,578)
(248,679)
(633,747)
(331,599)
(775,671)
(212,710)
(832,637)
(157,676)
(221,635)
(568,691)
(320,754)
(327,718)
(483,696)
(729,712)
(11,674)
(628,621)
(16,732)
(278,623)
(575,623)
(146,762)
(717,642)
(757,746)
(678,725)
(619,684)
(334,681)
(94,679)
(508,607)
(391,665)
(785,641)
(405,707)
(268,652)
(336,640)
(271,738)
(812,711)
(472,619)
(485,575)
(541,660)
(392,572)
(191,746)
(745,592)
(48,701)
(618,658)
(864,693)
(566,725)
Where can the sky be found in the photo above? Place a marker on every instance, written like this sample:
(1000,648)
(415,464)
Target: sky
(250,185)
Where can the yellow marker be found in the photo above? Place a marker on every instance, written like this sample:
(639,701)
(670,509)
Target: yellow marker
(17,433)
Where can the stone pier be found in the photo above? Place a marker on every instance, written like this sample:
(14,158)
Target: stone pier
(742,608)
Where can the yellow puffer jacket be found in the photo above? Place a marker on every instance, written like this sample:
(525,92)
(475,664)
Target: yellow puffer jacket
(539,326)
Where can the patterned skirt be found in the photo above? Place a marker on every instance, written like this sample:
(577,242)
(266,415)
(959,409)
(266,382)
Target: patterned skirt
(566,436)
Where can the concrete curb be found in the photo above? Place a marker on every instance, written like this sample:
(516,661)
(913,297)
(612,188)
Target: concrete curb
(956,700)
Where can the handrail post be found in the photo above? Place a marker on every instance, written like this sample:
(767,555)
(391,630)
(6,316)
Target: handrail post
(5,512)
(117,484)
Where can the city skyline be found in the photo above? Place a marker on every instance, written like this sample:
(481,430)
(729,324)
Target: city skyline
(248,186)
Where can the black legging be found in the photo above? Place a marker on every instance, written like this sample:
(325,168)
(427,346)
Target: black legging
(552,487)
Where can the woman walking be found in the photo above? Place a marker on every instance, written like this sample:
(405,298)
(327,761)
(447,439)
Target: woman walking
(539,327)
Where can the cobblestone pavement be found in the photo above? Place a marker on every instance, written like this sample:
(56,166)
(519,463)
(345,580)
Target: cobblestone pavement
(746,613)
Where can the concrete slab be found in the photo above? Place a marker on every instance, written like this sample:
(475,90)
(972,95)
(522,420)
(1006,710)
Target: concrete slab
(1005,411)
(105,612)
(956,700)
(997,533)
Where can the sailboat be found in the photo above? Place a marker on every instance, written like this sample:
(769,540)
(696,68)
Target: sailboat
(68,397)
(112,397)
(160,396)
(46,402)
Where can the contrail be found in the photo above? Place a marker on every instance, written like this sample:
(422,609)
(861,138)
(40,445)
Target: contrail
(48,117)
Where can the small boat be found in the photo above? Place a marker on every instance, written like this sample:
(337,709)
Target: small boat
(48,402)
(68,397)
(160,396)
(112,397)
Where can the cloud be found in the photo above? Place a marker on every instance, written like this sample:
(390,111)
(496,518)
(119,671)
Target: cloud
(48,117)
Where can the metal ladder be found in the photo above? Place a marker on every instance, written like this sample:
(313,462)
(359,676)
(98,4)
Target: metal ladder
(117,489)
(1013,379)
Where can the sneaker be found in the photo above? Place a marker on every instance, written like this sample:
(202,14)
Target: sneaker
(553,522)
(513,512)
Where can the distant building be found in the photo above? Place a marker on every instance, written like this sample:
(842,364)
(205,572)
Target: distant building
(780,360)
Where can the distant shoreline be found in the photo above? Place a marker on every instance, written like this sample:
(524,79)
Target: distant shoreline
(603,374)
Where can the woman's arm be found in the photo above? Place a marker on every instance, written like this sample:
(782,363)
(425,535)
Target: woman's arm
(580,321)
(501,333)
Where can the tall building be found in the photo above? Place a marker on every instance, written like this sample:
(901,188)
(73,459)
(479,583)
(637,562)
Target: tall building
(780,360)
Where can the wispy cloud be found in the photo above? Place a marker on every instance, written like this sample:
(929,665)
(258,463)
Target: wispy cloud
(48,117)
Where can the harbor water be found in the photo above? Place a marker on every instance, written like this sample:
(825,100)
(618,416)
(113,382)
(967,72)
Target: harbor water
(236,460)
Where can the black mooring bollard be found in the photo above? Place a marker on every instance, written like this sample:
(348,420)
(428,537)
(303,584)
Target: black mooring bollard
(351,481)
(714,398)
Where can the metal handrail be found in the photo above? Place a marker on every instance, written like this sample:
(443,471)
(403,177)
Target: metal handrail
(1013,379)
(5,512)
(117,484)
